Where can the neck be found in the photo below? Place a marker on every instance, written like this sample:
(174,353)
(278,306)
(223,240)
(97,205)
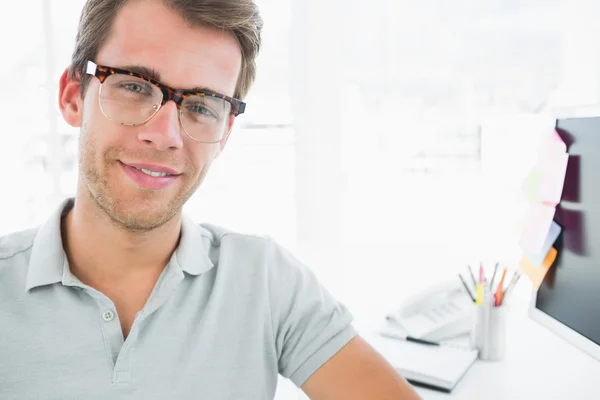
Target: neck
(100,252)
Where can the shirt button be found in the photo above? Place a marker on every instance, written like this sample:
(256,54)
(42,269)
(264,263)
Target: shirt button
(108,315)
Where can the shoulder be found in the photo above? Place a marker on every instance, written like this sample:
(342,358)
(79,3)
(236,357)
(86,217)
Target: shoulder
(227,239)
(246,248)
(15,252)
(16,243)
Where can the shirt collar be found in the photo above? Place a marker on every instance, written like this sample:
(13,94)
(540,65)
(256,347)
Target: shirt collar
(48,262)
(48,259)
(192,254)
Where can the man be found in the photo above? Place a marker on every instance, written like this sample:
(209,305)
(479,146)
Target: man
(118,295)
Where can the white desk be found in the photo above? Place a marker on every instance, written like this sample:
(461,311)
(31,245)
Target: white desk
(538,365)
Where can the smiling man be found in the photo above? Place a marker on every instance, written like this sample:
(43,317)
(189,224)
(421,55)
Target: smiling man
(119,295)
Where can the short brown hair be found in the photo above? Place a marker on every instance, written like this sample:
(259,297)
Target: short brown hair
(240,17)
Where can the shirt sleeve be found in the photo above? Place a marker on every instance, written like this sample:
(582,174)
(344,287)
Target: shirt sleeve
(309,325)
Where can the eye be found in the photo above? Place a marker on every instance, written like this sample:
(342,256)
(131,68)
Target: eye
(201,110)
(135,88)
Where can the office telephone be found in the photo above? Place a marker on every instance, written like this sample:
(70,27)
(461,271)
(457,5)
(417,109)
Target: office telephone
(440,312)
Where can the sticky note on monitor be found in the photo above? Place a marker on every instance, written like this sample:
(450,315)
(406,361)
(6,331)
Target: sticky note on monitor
(535,228)
(537,259)
(545,182)
(531,185)
(535,273)
(553,168)
(551,142)
(555,141)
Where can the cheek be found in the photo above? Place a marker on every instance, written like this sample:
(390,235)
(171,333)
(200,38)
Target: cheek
(201,157)
(203,154)
(108,137)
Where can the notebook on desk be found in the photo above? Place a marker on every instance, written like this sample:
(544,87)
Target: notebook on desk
(436,367)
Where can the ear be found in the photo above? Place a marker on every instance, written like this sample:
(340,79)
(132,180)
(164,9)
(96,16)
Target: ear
(69,100)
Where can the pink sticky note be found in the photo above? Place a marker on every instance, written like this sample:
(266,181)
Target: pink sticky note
(545,182)
(552,142)
(535,228)
(553,168)
(557,140)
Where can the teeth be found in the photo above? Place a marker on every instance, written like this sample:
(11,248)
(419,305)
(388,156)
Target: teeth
(152,173)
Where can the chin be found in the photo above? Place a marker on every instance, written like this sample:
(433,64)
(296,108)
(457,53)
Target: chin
(136,210)
(144,223)
(142,217)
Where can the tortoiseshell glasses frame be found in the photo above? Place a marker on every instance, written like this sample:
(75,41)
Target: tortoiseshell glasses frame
(102,72)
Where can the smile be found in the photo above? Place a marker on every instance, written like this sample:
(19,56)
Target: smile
(149,179)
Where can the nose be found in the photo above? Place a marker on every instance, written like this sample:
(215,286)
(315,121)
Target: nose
(163,131)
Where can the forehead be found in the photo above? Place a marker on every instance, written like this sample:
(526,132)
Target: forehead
(150,35)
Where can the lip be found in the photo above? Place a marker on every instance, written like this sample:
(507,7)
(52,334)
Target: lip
(147,181)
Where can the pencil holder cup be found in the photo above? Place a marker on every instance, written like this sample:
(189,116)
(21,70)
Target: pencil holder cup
(489,331)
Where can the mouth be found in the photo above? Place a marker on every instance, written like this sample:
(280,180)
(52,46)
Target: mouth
(153,169)
(153,173)
(150,176)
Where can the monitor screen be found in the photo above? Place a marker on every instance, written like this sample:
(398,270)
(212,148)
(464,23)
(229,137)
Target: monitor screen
(570,292)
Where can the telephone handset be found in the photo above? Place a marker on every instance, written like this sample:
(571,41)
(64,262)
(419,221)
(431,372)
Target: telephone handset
(438,313)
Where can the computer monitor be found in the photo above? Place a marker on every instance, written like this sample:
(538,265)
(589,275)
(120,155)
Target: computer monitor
(568,300)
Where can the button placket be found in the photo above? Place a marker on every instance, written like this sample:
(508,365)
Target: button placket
(158,297)
(111,329)
(122,369)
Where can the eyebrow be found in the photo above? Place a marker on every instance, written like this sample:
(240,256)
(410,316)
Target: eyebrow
(155,75)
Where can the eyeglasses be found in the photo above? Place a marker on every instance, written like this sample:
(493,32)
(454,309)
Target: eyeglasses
(131,99)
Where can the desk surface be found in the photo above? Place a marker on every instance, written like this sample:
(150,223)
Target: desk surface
(538,365)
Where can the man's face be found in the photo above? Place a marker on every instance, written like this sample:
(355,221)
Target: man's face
(146,34)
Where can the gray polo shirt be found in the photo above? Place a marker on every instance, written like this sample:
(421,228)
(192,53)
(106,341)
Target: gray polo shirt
(228,314)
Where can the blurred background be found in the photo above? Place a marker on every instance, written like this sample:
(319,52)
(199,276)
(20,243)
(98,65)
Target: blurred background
(383,139)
